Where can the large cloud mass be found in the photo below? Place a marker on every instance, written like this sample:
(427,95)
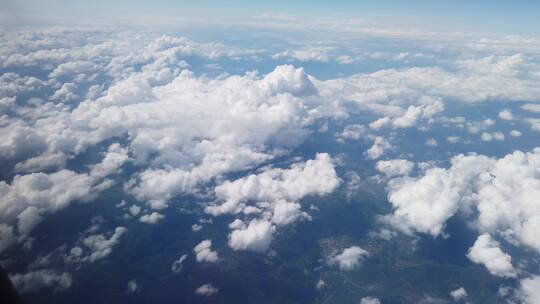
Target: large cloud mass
(502,192)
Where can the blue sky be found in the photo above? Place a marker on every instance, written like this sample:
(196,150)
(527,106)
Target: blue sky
(494,17)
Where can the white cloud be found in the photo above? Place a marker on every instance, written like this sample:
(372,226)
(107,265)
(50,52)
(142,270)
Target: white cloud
(535,123)
(314,177)
(379,148)
(100,245)
(354,131)
(370,300)
(515,133)
(531,107)
(178,264)
(395,167)
(432,142)
(529,290)
(275,193)
(458,294)
(196,227)
(39,279)
(453,139)
(310,54)
(206,290)
(320,284)
(151,218)
(350,259)
(502,191)
(204,253)
(411,116)
(286,213)
(29,198)
(134,210)
(487,251)
(498,136)
(255,237)
(113,160)
(506,115)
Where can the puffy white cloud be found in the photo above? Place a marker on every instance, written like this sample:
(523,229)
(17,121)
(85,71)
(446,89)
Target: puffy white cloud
(310,54)
(502,191)
(535,123)
(380,146)
(286,213)
(100,245)
(204,253)
(529,290)
(487,251)
(255,237)
(370,300)
(113,160)
(196,227)
(354,131)
(515,133)
(395,167)
(313,177)
(151,218)
(531,107)
(206,290)
(274,193)
(411,116)
(350,259)
(458,294)
(498,136)
(178,264)
(134,210)
(453,139)
(27,200)
(506,115)
(33,281)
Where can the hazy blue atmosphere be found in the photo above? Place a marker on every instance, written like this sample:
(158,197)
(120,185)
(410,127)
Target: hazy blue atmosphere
(245,152)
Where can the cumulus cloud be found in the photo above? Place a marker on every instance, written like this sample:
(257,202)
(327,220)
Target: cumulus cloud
(487,251)
(204,253)
(206,290)
(255,237)
(458,294)
(354,131)
(350,259)
(515,133)
(529,290)
(311,54)
(314,177)
(506,115)
(411,116)
(379,148)
(531,107)
(29,198)
(395,167)
(99,245)
(33,281)
(272,195)
(498,136)
(151,218)
(501,191)
(370,300)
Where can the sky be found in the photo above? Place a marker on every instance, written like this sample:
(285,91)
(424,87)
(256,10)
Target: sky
(489,17)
